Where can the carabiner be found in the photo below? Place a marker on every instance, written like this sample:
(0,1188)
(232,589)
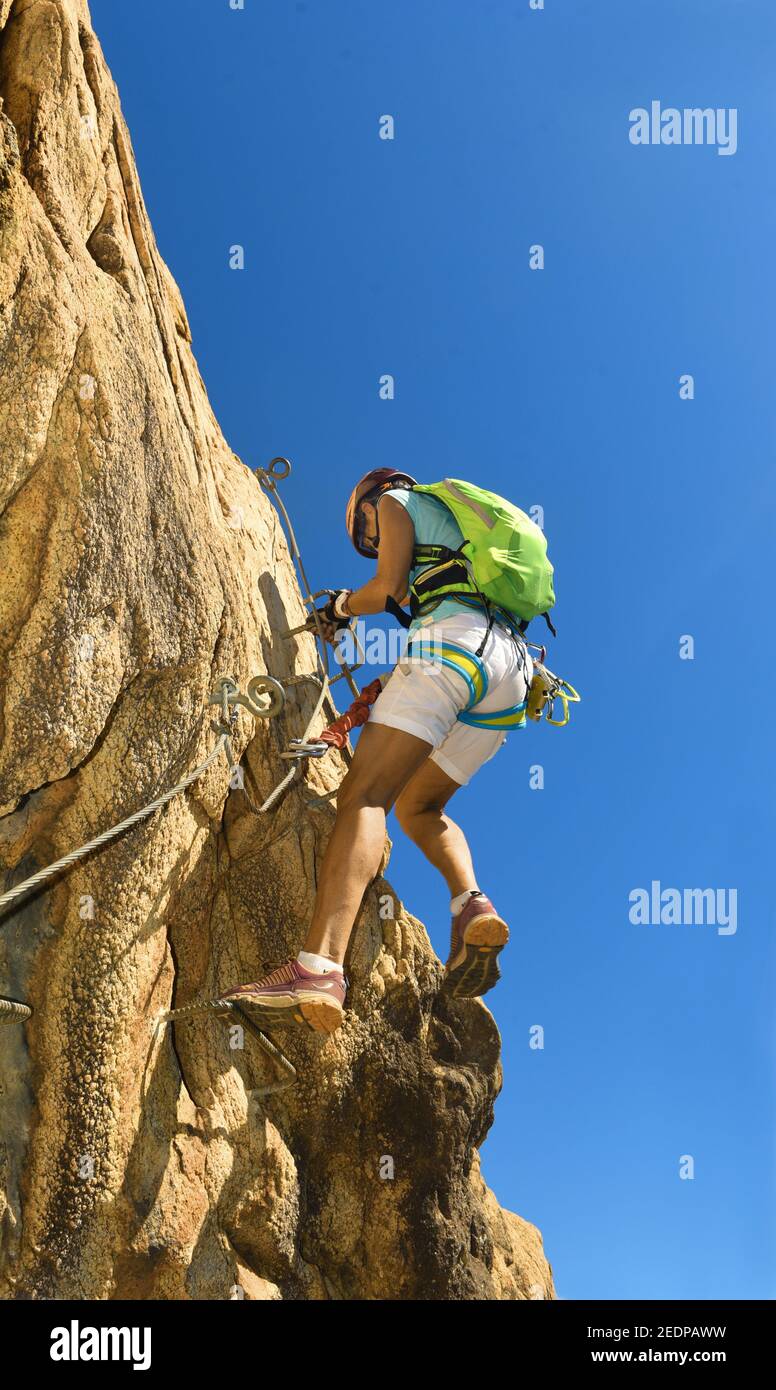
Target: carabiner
(567,695)
(298,749)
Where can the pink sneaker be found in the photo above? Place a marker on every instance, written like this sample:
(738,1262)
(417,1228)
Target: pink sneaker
(290,994)
(477,936)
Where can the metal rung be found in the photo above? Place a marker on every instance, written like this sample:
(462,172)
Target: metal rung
(227,1006)
(13,1012)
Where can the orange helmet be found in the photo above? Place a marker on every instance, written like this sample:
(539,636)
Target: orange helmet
(371,486)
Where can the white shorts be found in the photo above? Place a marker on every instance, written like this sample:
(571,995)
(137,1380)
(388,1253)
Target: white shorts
(424,698)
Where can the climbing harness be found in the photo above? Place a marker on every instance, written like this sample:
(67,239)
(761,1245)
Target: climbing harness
(458,659)
(468,665)
(545,689)
(225,1007)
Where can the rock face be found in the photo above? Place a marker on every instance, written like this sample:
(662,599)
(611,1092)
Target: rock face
(139,560)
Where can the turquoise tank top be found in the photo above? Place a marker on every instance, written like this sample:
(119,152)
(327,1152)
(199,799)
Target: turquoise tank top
(434,525)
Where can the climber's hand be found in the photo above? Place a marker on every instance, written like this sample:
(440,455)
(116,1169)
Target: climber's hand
(334,616)
(328,630)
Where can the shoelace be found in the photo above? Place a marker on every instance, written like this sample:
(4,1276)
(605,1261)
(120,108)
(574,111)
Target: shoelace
(281,975)
(285,974)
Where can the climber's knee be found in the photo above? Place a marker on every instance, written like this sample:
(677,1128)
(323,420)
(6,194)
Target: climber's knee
(409,814)
(355,792)
(426,794)
(417,820)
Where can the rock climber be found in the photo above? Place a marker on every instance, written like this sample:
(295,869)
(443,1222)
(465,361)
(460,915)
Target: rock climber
(444,711)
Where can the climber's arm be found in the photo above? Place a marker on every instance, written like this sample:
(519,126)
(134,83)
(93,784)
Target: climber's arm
(394,561)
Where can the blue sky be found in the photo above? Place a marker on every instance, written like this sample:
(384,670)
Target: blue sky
(559,388)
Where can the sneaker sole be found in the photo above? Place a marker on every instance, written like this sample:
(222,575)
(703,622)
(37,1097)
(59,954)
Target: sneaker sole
(321,1014)
(478,971)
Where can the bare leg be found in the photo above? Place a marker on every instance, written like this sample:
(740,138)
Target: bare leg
(420,813)
(478,934)
(384,761)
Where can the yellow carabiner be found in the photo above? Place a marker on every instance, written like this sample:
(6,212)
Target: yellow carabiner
(557,723)
(567,695)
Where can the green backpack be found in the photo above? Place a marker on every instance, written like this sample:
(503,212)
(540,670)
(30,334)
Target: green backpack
(503,558)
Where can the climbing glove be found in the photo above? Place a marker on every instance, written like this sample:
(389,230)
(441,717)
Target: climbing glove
(336,612)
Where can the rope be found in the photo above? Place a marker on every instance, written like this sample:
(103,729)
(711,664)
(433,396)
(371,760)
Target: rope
(200,1006)
(227,1006)
(111,834)
(295,771)
(269,478)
